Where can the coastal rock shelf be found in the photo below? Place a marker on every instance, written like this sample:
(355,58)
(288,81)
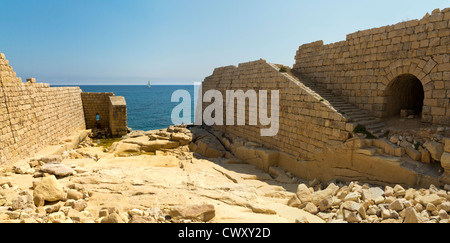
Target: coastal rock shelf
(178,185)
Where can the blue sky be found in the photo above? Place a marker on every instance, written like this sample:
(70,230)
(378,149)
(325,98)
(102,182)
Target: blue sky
(176,41)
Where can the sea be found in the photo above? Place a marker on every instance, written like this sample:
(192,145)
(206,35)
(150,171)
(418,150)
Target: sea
(147,108)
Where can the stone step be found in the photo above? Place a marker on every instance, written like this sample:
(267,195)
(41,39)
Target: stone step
(375,126)
(354,114)
(368,123)
(388,147)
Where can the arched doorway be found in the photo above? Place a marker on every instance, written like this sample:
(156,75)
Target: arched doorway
(405,92)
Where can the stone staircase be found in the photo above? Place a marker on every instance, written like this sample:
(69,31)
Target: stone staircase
(355,115)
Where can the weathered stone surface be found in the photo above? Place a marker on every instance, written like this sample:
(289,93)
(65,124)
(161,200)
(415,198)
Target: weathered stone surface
(125,148)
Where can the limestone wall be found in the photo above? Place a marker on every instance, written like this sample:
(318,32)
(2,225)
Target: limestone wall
(34,114)
(96,104)
(118,116)
(362,69)
(105,111)
(306,123)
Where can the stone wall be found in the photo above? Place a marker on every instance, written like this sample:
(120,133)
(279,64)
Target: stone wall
(96,106)
(33,115)
(118,116)
(105,111)
(365,68)
(306,123)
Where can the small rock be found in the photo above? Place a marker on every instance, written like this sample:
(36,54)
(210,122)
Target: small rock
(443,214)
(446,206)
(137,219)
(330,191)
(79,205)
(352,217)
(74,194)
(113,218)
(304,194)
(136,211)
(103,213)
(397,205)
(354,196)
(394,139)
(311,208)
(399,191)
(411,216)
(302,220)
(22,168)
(53,208)
(38,200)
(430,207)
(325,204)
(19,203)
(388,191)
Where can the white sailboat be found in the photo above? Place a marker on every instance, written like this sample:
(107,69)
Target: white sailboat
(149,85)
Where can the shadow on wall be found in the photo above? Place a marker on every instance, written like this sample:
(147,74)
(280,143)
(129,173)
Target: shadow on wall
(405,92)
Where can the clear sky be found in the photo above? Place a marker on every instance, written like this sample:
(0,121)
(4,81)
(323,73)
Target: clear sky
(176,41)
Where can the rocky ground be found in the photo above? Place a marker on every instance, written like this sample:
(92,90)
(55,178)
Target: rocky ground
(154,177)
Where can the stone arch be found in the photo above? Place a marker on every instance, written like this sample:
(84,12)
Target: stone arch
(405,92)
(397,75)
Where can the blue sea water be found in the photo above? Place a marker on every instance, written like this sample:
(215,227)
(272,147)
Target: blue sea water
(147,108)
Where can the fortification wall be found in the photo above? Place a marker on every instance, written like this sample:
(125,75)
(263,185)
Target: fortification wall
(96,104)
(363,68)
(33,115)
(105,111)
(306,123)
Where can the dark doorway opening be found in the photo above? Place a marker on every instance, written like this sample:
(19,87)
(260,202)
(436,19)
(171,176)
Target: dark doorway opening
(405,92)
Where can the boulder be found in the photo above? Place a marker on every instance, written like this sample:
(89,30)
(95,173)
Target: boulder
(304,194)
(372,193)
(59,170)
(445,161)
(430,198)
(49,189)
(446,142)
(113,218)
(328,192)
(203,213)
(411,216)
(397,205)
(436,149)
(22,167)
